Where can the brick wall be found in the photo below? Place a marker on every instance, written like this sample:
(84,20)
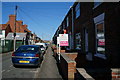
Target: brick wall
(67,67)
(19,25)
(12,21)
(115,74)
(72,56)
(8,29)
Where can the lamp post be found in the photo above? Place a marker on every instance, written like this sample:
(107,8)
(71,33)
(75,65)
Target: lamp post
(15,28)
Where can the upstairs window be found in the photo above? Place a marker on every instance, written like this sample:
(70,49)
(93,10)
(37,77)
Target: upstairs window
(77,10)
(67,21)
(63,25)
(96,4)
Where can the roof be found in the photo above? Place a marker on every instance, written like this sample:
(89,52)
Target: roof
(25,28)
(3,26)
(19,36)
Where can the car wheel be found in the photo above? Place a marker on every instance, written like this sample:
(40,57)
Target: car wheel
(15,65)
(38,65)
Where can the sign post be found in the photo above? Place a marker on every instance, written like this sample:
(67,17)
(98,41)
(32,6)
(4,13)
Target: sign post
(57,44)
(63,41)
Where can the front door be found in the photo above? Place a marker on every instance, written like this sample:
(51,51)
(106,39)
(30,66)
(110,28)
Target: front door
(86,40)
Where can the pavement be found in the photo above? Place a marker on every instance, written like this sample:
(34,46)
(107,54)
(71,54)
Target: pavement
(49,69)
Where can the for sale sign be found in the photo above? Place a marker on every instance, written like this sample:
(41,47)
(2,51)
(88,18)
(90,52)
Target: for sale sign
(63,38)
(58,42)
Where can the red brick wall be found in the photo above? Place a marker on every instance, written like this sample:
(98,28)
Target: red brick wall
(115,74)
(71,55)
(67,67)
(19,24)
(12,22)
(71,70)
(8,29)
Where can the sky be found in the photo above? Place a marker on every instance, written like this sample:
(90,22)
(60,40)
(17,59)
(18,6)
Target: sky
(42,18)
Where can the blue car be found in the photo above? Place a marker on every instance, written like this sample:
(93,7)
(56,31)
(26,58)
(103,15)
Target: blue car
(28,55)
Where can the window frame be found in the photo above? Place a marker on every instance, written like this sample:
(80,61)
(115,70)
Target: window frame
(0,32)
(67,19)
(78,40)
(77,10)
(96,5)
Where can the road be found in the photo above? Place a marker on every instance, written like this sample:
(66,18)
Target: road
(31,73)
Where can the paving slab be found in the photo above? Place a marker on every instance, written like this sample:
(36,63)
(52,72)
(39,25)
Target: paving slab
(48,68)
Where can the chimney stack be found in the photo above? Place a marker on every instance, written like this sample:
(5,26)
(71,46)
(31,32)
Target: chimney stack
(12,19)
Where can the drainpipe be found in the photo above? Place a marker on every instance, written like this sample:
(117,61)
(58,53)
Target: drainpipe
(72,28)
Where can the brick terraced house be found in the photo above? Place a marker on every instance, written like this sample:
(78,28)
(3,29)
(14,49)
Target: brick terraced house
(93,29)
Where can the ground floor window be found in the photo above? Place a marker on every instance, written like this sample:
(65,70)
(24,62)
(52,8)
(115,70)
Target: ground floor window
(2,42)
(100,34)
(78,41)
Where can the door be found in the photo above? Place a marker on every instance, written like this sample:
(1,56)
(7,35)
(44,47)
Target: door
(88,54)
(86,40)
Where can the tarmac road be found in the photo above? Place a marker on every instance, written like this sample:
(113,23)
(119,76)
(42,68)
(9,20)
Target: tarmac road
(48,68)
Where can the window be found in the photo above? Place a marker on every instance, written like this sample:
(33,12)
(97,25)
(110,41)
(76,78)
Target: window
(78,41)
(96,4)
(100,37)
(63,25)
(67,21)
(77,10)
(27,49)
(0,32)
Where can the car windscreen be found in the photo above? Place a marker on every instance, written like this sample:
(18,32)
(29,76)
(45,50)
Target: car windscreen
(27,49)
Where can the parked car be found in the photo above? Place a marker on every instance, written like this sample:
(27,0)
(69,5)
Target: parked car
(41,44)
(29,55)
(46,45)
(42,48)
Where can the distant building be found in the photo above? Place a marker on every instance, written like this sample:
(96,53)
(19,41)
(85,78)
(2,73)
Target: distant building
(23,34)
(4,30)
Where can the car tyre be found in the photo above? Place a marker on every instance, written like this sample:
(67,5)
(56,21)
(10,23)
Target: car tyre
(15,65)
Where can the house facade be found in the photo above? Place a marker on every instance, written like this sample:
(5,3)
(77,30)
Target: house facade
(93,32)
(23,34)
(4,30)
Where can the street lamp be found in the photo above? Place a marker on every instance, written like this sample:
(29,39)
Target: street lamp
(15,28)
